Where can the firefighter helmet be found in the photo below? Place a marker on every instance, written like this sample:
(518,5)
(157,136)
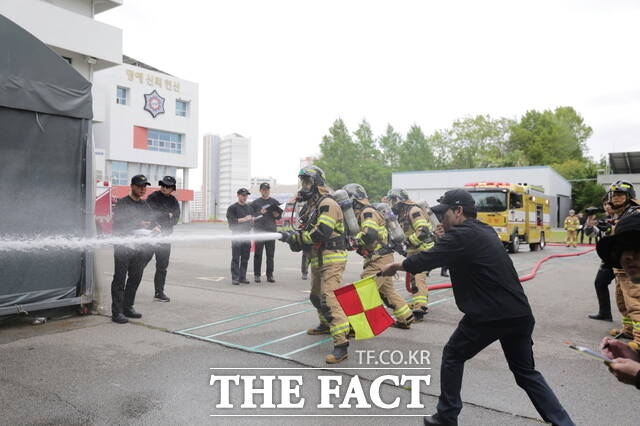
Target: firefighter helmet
(622,186)
(311,179)
(397,195)
(356,191)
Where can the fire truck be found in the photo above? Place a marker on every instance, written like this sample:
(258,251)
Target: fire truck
(519,213)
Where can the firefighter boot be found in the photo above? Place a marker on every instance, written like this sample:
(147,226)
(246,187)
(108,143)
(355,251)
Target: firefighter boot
(339,354)
(418,315)
(404,324)
(319,329)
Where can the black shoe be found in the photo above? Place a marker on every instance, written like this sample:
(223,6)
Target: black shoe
(271,280)
(257,279)
(131,313)
(244,281)
(601,317)
(119,318)
(161,297)
(435,420)
(304,276)
(235,282)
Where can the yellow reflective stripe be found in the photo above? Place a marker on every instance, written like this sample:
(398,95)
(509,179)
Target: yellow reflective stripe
(626,320)
(419,299)
(340,328)
(340,256)
(401,312)
(327,220)
(323,320)
(371,224)
(306,237)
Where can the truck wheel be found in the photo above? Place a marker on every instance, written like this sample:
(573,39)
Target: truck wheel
(542,241)
(514,245)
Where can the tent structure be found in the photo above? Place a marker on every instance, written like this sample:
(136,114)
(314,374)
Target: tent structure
(45,173)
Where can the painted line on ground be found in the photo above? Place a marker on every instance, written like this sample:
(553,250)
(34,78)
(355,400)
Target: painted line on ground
(229,344)
(304,348)
(280,339)
(247,315)
(255,324)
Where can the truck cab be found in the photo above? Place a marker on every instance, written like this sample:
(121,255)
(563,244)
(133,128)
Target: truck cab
(519,213)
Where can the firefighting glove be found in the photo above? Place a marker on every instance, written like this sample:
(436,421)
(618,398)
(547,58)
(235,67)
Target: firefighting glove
(287,236)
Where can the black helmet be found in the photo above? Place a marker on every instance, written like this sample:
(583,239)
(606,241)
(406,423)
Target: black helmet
(622,186)
(311,177)
(355,191)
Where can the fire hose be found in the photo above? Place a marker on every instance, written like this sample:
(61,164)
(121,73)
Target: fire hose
(527,277)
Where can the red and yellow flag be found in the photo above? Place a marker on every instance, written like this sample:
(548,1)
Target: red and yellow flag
(362,304)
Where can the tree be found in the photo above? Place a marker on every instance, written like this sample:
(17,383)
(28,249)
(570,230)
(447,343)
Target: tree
(415,151)
(585,191)
(550,136)
(337,154)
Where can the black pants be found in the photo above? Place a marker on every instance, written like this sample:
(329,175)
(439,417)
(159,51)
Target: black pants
(603,279)
(240,251)
(304,264)
(128,269)
(270,247)
(162,253)
(515,337)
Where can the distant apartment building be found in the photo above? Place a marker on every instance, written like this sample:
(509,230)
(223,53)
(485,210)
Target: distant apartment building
(226,168)
(197,206)
(256,181)
(307,161)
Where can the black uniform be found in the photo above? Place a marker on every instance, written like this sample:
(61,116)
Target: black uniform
(240,250)
(166,211)
(487,289)
(266,223)
(128,216)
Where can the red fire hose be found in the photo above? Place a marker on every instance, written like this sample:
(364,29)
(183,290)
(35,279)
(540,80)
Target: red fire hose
(528,277)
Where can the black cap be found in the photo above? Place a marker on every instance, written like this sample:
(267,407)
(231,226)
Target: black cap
(627,236)
(168,181)
(243,191)
(451,199)
(265,185)
(140,180)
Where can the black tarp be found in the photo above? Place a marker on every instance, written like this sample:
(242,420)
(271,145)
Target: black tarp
(45,114)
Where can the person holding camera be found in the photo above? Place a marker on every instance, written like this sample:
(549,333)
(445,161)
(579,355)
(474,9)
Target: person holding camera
(240,220)
(602,227)
(266,211)
(622,250)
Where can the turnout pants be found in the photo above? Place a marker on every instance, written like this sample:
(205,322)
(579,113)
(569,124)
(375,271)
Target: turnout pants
(129,266)
(270,248)
(628,301)
(515,338)
(603,279)
(240,252)
(324,279)
(571,238)
(390,297)
(162,253)
(419,290)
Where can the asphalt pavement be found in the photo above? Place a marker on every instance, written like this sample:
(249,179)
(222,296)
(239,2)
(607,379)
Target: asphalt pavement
(157,370)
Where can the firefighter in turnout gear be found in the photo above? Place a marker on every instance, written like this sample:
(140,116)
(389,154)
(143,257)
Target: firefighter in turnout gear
(323,238)
(419,234)
(571,224)
(622,198)
(373,245)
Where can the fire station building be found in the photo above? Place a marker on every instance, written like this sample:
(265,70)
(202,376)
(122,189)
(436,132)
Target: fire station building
(150,128)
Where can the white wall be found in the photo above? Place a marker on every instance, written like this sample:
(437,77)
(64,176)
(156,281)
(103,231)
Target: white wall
(115,135)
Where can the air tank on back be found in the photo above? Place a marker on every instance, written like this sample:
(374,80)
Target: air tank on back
(395,231)
(431,217)
(342,198)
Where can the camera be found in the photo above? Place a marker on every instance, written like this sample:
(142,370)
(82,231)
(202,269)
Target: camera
(590,211)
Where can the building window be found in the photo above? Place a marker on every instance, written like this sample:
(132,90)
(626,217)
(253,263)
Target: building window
(181,108)
(119,173)
(122,95)
(158,140)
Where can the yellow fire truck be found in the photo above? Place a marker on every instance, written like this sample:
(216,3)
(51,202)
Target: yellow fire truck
(519,213)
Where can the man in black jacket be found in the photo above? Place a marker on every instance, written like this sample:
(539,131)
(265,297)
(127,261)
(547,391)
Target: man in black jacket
(131,216)
(265,210)
(240,220)
(167,212)
(487,290)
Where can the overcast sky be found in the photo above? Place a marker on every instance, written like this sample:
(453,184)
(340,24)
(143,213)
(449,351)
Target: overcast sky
(280,72)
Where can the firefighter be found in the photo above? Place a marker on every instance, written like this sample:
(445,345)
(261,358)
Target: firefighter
(372,242)
(419,233)
(571,224)
(323,238)
(622,199)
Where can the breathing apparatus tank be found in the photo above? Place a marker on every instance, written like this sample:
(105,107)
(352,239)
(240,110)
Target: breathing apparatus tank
(342,198)
(395,231)
(431,217)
